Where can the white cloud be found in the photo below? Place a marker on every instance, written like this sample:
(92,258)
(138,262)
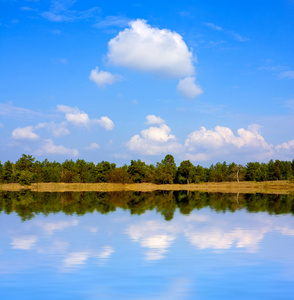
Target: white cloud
(79,118)
(24,133)
(92,146)
(287,74)
(154,141)
(287,146)
(154,120)
(24,242)
(102,78)
(221,136)
(206,144)
(145,48)
(49,148)
(188,88)
(67,109)
(158,134)
(105,122)
(1,125)
(285,150)
(56,130)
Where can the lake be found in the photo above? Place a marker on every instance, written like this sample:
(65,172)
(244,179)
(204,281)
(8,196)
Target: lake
(159,245)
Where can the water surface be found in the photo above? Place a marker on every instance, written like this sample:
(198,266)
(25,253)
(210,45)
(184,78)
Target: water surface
(172,245)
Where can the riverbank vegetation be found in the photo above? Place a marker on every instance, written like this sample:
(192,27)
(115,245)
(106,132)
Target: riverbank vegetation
(26,171)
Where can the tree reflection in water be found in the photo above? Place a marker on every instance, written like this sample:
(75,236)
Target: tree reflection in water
(27,203)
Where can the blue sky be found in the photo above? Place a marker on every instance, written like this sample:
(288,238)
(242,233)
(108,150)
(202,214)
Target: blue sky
(207,81)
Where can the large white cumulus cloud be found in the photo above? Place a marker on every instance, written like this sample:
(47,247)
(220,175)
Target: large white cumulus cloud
(145,48)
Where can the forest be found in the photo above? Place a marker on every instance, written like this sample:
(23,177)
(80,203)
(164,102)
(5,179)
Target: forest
(27,170)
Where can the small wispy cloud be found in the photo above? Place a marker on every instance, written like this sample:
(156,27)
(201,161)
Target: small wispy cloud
(284,72)
(26,8)
(93,146)
(233,34)
(213,26)
(112,21)
(61,11)
(9,110)
(287,74)
(238,37)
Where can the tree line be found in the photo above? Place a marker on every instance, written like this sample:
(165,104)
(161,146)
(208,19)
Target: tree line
(27,204)
(27,170)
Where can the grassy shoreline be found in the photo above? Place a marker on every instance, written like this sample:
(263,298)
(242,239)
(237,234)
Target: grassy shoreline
(268,187)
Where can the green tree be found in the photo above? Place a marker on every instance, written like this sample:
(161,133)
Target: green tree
(68,172)
(103,169)
(1,172)
(186,172)
(119,175)
(8,174)
(137,171)
(25,163)
(25,177)
(166,170)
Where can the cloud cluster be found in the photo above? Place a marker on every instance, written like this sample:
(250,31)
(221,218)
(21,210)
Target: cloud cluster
(149,49)
(73,116)
(205,144)
(145,48)
(221,136)
(79,118)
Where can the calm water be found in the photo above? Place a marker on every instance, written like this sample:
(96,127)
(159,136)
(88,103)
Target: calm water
(146,246)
